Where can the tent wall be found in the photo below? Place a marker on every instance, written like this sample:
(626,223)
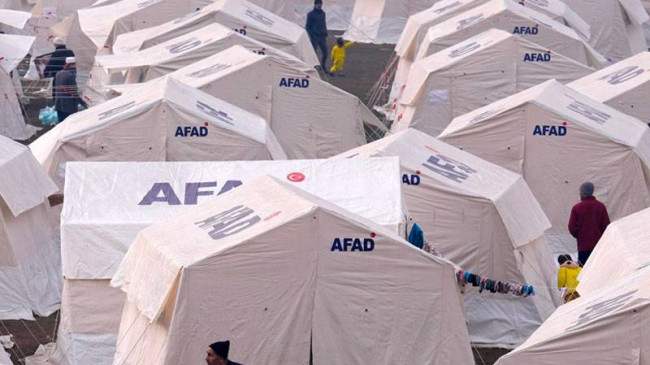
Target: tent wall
(31,282)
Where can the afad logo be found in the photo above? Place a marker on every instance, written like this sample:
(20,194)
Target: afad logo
(551,130)
(295,82)
(526,30)
(537,57)
(192,131)
(349,244)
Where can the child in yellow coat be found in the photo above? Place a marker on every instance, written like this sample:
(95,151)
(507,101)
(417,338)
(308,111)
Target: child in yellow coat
(338,55)
(567,277)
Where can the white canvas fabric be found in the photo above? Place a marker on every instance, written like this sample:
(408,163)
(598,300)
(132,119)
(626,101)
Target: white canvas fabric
(474,73)
(508,15)
(95,29)
(14,18)
(337,12)
(29,257)
(166,121)
(616,26)
(13,49)
(177,53)
(454,197)
(278,259)
(606,327)
(621,251)
(623,86)
(382,21)
(418,24)
(557,139)
(48,19)
(132,197)
(246,18)
(310,117)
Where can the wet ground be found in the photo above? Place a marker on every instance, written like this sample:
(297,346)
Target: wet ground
(364,66)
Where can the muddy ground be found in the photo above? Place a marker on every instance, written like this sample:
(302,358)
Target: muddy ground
(364,66)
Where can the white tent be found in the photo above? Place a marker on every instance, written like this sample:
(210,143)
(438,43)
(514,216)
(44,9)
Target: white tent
(179,52)
(133,196)
(508,15)
(382,21)
(417,26)
(607,327)
(474,73)
(30,280)
(616,26)
(621,251)
(13,48)
(313,277)
(246,18)
(454,196)
(310,117)
(95,28)
(558,138)
(166,121)
(47,14)
(338,12)
(624,86)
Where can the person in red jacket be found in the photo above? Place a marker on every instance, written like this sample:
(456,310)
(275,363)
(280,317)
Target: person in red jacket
(588,221)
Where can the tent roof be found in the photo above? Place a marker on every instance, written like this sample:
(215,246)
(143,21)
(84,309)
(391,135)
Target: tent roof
(249,14)
(596,328)
(24,183)
(274,203)
(164,90)
(569,104)
(622,250)
(468,49)
(617,79)
(444,9)
(165,52)
(14,18)
(13,49)
(495,8)
(524,220)
(91,249)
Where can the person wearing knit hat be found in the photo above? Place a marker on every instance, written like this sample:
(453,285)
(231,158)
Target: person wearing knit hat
(217,354)
(57,59)
(588,221)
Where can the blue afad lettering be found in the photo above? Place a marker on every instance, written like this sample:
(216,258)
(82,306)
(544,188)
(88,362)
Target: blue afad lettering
(162,192)
(537,57)
(526,30)
(189,131)
(550,130)
(229,222)
(411,179)
(294,82)
(353,245)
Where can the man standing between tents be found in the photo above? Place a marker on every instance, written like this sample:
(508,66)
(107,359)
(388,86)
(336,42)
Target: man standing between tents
(317,29)
(588,221)
(64,91)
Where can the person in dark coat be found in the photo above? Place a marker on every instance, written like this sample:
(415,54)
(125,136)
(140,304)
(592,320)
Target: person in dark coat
(217,354)
(64,91)
(588,221)
(57,59)
(317,30)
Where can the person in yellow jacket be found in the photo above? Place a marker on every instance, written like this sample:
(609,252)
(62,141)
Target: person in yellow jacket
(567,277)
(338,55)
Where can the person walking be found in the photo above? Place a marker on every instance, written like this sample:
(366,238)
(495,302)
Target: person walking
(57,59)
(317,30)
(64,91)
(588,221)
(217,354)
(338,56)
